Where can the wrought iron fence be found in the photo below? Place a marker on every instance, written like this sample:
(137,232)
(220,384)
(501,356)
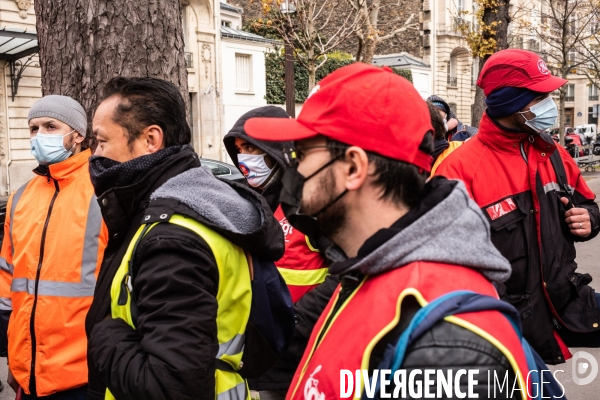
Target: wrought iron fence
(452,81)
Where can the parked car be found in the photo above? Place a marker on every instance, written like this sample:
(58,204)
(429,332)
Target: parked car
(588,131)
(223,170)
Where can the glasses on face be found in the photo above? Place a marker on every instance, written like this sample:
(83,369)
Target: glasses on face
(292,156)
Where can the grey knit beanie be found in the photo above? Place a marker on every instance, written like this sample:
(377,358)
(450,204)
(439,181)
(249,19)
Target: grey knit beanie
(62,108)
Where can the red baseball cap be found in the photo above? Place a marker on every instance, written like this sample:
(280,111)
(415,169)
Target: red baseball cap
(359,105)
(517,68)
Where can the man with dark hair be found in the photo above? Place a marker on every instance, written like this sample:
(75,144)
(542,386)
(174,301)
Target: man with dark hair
(357,176)
(173,297)
(536,201)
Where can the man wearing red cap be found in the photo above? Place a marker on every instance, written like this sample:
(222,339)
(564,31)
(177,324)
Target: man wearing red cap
(536,201)
(357,177)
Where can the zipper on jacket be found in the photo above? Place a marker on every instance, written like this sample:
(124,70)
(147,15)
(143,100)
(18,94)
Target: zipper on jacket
(32,385)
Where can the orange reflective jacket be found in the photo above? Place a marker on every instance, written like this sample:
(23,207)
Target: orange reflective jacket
(53,246)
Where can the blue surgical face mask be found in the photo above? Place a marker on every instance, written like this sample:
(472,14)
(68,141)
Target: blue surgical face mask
(545,112)
(48,149)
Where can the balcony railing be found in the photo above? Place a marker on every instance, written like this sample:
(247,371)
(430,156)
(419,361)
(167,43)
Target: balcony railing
(452,81)
(189,59)
(569,98)
(593,98)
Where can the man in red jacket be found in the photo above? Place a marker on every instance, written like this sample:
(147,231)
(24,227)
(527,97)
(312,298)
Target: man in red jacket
(536,201)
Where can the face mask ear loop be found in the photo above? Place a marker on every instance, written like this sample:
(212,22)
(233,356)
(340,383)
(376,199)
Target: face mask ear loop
(324,166)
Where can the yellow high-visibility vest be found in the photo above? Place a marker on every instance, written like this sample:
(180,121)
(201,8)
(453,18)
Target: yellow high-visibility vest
(234,297)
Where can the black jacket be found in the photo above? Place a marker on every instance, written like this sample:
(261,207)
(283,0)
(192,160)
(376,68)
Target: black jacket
(172,352)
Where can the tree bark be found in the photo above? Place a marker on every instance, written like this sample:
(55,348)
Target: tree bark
(85,44)
(501,36)
(369,50)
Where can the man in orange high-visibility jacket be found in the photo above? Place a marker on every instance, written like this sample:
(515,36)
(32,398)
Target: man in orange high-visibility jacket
(53,245)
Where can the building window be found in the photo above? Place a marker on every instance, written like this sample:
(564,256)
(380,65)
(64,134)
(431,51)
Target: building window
(452,81)
(591,119)
(592,92)
(226,24)
(452,107)
(570,93)
(243,72)
(569,116)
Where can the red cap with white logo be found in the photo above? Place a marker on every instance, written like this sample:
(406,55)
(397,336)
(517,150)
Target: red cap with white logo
(517,68)
(359,105)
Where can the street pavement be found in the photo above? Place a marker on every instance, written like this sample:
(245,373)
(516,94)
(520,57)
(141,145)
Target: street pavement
(588,259)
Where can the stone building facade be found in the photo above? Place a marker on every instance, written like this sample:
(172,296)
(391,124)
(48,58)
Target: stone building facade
(454,70)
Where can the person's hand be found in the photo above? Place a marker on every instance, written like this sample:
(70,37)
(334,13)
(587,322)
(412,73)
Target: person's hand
(578,220)
(10,379)
(452,123)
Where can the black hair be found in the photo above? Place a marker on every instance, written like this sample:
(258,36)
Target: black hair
(437,122)
(401,182)
(149,101)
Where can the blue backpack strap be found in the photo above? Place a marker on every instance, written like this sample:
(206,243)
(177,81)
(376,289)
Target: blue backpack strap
(424,320)
(459,302)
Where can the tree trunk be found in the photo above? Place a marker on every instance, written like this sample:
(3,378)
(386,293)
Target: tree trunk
(85,44)
(369,50)
(490,15)
(312,76)
(479,102)
(561,112)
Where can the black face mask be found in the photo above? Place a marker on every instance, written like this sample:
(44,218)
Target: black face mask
(291,199)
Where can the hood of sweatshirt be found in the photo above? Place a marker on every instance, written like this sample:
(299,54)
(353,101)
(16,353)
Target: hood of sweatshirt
(231,209)
(274,149)
(450,230)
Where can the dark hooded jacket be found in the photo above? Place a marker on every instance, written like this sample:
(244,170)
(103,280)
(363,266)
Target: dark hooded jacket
(274,149)
(309,308)
(172,353)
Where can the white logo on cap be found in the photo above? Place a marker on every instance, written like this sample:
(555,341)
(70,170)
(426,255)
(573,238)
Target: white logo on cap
(315,90)
(542,67)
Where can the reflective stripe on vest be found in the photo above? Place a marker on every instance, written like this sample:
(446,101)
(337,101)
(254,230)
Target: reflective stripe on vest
(234,298)
(83,288)
(13,207)
(5,266)
(300,277)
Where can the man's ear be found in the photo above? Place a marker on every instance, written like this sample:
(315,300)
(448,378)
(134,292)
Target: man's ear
(153,137)
(79,138)
(356,167)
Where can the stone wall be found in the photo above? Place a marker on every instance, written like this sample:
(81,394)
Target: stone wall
(391,16)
